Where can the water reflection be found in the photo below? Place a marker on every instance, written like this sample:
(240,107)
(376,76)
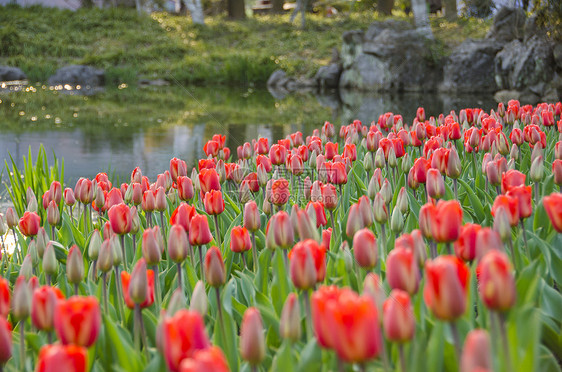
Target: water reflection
(117,131)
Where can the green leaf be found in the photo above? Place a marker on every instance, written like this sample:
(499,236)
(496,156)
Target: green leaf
(311,357)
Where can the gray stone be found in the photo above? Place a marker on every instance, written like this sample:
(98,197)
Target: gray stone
(276,77)
(557,54)
(366,73)
(509,24)
(155,83)
(85,76)
(529,98)
(527,65)
(506,95)
(532,29)
(351,47)
(8,73)
(328,76)
(470,68)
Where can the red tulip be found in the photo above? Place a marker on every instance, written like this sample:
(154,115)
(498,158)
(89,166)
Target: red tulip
(209,180)
(510,205)
(524,196)
(78,320)
(211,359)
(29,224)
(214,267)
(4,298)
(148,201)
(280,192)
(553,207)
(512,178)
(126,281)
(476,354)
(354,221)
(279,231)
(67,358)
(316,209)
(252,337)
(337,174)
(331,150)
(326,238)
(402,270)
(487,239)
(421,165)
(447,221)
(43,304)
(211,148)
(240,239)
(308,264)
(496,281)
(465,246)
(557,171)
(446,287)
(290,321)
(435,185)
(55,192)
(199,232)
(329,196)
(177,243)
(365,248)
(399,322)
(178,168)
(277,154)
(214,203)
(120,219)
(5,341)
(251,216)
(185,188)
(183,334)
(182,216)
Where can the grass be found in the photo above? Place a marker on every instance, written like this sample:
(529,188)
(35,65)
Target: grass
(162,45)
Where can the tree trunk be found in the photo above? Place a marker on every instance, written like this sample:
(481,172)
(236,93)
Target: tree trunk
(195,8)
(385,6)
(450,9)
(277,6)
(236,9)
(421,18)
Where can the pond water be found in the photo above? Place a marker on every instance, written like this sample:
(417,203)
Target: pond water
(120,129)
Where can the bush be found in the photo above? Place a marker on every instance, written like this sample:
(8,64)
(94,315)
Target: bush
(549,17)
(10,41)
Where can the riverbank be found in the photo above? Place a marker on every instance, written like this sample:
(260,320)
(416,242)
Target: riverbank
(164,46)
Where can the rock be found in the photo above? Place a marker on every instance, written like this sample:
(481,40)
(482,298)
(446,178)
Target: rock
(557,54)
(509,24)
(470,68)
(8,73)
(529,98)
(395,59)
(154,83)
(528,65)
(328,76)
(532,29)
(85,76)
(506,95)
(351,47)
(276,77)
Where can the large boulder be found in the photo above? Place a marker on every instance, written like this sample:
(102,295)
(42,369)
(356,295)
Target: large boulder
(557,53)
(393,57)
(351,47)
(470,67)
(73,75)
(525,66)
(509,24)
(328,76)
(8,73)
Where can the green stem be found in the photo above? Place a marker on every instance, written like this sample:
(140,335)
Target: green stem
(505,341)
(137,329)
(254,251)
(143,332)
(218,231)
(244,260)
(119,293)
(22,345)
(202,274)
(402,357)
(126,263)
(456,339)
(180,286)
(306,299)
(525,239)
(157,295)
(104,290)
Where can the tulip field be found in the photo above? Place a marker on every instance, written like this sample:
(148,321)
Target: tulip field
(431,245)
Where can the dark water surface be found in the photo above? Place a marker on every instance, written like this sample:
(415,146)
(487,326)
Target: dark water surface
(120,129)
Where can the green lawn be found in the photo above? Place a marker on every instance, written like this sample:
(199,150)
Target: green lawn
(161,45)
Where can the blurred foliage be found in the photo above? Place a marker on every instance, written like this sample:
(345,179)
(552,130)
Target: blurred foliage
(478,8)
(171,47)
(549,17)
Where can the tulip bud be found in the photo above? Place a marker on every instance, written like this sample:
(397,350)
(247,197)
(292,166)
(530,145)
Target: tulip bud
(476,354)
(21,302)
(386,191)
(396,221)
(290,322)
(138,284)
(365,248)
(105,257)
(41,241)
(99,200)
(446,287)
(402,201)
(177,302)
(95,245)
(368,163)
(11,218)
(252,338)
(497,283)
(398,317)
(74,265)
(50,264)
(244,192)
(380,161)
(454,166)
(373,188)
(177,244)
(26,268)
(537,169)
(380,209)
(266,207)
(514,153)
(199,299)
(537,151)
(347,256)
(30,195)
(3,226)
(53,214)
(402,270)
(372,287)
(354,220)
(215,272)
(252,220)
(434,184)
(406,163)
(160,201)
(151,245)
